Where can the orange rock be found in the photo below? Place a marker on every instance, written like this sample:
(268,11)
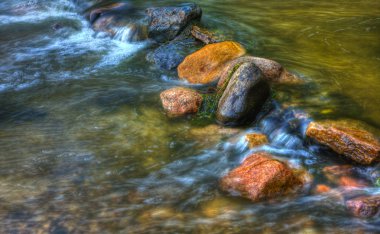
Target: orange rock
(322,188)
(347,181)
(205,65)
(346,139)
(364,207)
(180,101)
(256,139)
(261,177)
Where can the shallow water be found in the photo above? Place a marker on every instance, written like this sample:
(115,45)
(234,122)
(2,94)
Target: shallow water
(86,146)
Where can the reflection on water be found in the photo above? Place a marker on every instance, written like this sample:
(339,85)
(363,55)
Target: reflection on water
(85,146)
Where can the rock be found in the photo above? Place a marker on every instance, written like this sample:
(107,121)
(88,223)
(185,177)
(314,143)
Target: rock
(165,23)
(261,177)
(347,181)
(256,139)
(180,101)
(346,139)
(322,188)
(205,65)
(168,56)
(99,10)
(203,35)
(272,70)
(243,97)
(364,207)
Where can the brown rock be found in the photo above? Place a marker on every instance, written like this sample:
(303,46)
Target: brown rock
(322,188)
(180,101)
(347,181)
(364,207)
(261,177)
(272,70)
(256,139)
(353,142)
(205,65)
(203,35)
(333,173)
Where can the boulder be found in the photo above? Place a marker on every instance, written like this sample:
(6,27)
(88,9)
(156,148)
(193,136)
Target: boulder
(256,139)
(243,97)
(165,23)
(205,65)
(168,56)
(180,101)
(272,70)
(346,139)
(364,206)
(203,35)
(261,177)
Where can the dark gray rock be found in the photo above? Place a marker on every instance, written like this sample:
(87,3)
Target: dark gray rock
(165,23)
(244,96)
(168,56)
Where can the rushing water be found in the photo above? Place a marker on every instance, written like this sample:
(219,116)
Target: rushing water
(86,147)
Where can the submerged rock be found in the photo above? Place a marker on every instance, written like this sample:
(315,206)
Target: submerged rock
(243,97)
(203,35)
(272,70)
(205,65)
(168,56)
(364,207)
(165,23)
(262,177)
(346,139)
(256,139)
(180,101)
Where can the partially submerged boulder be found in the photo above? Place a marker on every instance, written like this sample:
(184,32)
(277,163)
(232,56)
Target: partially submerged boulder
(364,206)
(261,177)
(256,139)
(165,23)
(272,70)
(243,97)
(180,101)
(205,65)
(168,56)
(203,35)
(346,139)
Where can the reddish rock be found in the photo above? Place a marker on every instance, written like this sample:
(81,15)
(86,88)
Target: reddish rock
(364,207)
(272,70)
(180,101)
(346,139)
(203,35)
(204,66)
(322,188)
(347,181)
(261,177)
(256,139)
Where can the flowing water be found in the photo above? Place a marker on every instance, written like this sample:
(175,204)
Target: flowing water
(86,147)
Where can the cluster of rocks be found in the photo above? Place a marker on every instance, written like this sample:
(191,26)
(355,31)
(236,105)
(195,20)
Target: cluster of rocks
(242,85)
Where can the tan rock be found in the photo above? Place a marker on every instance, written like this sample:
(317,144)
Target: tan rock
(346,139)
(272,70)
(203,35)
(204,66)
(180,101)
(364,207)
(256,139)
(261,177)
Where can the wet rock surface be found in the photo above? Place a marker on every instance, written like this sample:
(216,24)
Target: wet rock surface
(272,70)
(256,139)
(261,177)
(347,139)
(243,97)
(168,56)
(180,101)
(165,23)
(205,65)
(364,207)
